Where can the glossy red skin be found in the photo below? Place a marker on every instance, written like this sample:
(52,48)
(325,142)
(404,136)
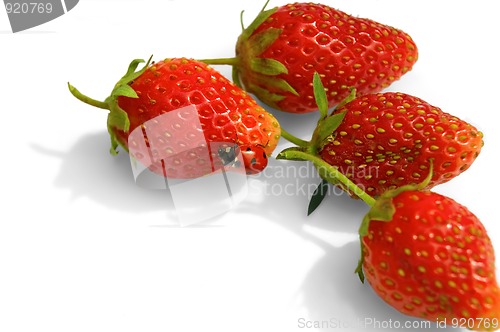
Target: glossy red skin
(226,113)
(345,50)
(386,141)
(433,260)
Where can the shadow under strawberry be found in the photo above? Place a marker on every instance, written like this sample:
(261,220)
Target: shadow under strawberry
(331,289)
(331,292)
(282,191)
(107,181)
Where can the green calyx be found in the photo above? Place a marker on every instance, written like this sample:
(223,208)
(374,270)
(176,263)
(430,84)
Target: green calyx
(383,210)
(327,123)
(308,150)
(261,75)
(117,118)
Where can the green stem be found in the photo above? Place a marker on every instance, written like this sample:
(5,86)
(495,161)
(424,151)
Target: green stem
(293,139)
(87,100)
(221,61)
(332,174)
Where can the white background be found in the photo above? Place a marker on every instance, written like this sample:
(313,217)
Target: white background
(82,248)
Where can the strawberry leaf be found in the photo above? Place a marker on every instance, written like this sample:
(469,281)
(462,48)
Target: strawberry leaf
(130,71)
(383,210)
(359,271)
(118,118)
(266,96)
(274,82)
(328,126)
(235,75)
(320,95)
(261,18)
(346,100)
(259,42)
(269,67)
(133,66)
(359,267)
(131,74)
(126,91)
(317,196)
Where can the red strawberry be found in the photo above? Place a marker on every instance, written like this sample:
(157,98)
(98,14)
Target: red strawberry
(430,257)
(223,113)
(277,55)
(386,140)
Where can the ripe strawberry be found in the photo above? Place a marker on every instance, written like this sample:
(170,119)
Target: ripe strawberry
(384,141)
(277,55)
(223,112)
(430,257)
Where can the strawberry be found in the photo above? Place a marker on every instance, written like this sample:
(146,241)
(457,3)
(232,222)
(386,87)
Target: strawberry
(393,136)
(430,257)
(278,53)
(225,114)
(386,140)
